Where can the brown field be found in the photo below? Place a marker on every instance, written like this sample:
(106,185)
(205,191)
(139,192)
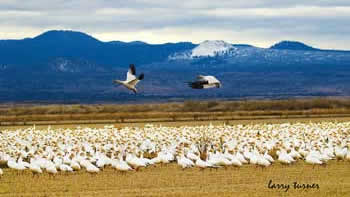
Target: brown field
(166,112)
(171,180)
(252,120)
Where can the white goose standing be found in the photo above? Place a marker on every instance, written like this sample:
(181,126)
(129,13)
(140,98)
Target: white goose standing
(131,79)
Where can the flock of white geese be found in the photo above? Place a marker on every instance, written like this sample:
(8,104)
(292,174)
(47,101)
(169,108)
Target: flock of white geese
(130,148)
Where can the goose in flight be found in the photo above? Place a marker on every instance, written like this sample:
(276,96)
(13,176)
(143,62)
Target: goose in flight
(131,79)
(205,82)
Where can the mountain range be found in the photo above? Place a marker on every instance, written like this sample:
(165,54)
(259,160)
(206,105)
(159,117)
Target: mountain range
(73,67)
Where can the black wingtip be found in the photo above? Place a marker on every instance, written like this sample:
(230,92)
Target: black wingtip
(141,76)
(132,68)
(195,85)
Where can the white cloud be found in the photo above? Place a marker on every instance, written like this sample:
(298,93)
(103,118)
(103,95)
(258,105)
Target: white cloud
(300,11)
(116,11)
(18,13)
(322,23)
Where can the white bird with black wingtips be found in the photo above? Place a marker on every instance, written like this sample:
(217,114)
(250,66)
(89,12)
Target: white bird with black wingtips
(131,79)
(204,82)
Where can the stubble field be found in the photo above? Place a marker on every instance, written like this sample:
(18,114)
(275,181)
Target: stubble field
(171,180)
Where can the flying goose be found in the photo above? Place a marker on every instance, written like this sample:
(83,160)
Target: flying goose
(205,82)
(131,79)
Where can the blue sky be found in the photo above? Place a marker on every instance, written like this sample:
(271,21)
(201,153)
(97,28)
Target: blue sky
(320,23)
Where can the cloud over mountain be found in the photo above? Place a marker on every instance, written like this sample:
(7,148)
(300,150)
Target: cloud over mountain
(259,22)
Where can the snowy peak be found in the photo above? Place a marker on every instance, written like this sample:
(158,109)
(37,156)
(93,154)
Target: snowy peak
(208,48)
(211,48)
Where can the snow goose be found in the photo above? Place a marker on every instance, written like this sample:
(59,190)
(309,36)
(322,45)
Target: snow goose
(11,163)
(75,165)
(204,82)
(348,156)
(134,161)
(262,161)
(217,159)
(295,154)
(65,168)
(312,159)
(241,158)
(92,169)
(35,168)
(253,159)
(329,152)
(163,157)
(183,161)
(101,162)
(283,157)
(202,164)
(340,152)
(120,164)
(51,169)
(192,156)
(23,163)
(233,159)
(131,79)
(268,157)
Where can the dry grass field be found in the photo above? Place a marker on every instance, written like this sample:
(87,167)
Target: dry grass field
(171,180)
(253,120)
(165,112)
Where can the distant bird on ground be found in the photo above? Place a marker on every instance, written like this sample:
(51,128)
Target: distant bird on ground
(205,82)
(131,79)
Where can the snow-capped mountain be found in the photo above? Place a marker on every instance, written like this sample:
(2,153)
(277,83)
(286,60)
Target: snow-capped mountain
(284,53)
(208,48)
(211,48)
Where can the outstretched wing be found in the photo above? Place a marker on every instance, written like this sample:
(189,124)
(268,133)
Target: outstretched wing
(201,77)
(136,80)
(209,86)
(198,84)
(212,80)
(131,73)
